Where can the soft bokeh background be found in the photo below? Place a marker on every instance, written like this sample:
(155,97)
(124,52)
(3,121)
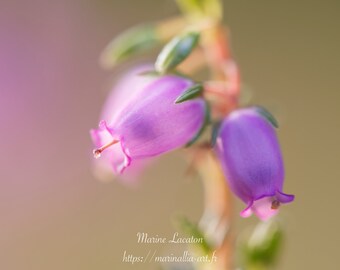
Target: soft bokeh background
(55,215)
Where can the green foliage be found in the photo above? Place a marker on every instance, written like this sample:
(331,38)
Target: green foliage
(207,119)
(267,115)
(176,51)
(198,9)
(192,230)
(191,93)
(261,249)
(129,43)
(214,132)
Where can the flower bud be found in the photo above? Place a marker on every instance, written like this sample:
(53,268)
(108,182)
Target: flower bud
(151,123)
(251,158)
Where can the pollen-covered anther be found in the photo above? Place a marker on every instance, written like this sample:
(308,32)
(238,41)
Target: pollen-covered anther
(275,204)
(97,152)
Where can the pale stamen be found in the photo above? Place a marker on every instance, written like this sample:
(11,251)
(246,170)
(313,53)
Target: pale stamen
(97,152)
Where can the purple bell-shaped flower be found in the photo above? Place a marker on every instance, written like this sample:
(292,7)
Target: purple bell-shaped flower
(249,151)
(150,122)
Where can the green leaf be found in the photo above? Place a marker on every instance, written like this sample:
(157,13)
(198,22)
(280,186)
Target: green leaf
(176,51)
(267,115)
(149,73)
(201,8)
(214,133)
(192,230)
(191,93)
(263,245)
(205,124)
(129,43)
(191,6)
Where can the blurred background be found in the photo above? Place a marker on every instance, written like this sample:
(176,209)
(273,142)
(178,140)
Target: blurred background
(56,215)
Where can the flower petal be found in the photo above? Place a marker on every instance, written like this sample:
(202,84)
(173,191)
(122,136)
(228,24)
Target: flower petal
(247,212)
(262,208)
(283,197)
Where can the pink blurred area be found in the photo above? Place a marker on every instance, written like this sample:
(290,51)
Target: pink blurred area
(53,212)
(55,215)
(48,86)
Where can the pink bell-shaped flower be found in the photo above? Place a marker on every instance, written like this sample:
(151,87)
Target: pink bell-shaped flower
(150,122)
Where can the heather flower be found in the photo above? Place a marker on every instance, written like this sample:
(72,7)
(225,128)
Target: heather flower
(123,91)
(251,158)
(150,123)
